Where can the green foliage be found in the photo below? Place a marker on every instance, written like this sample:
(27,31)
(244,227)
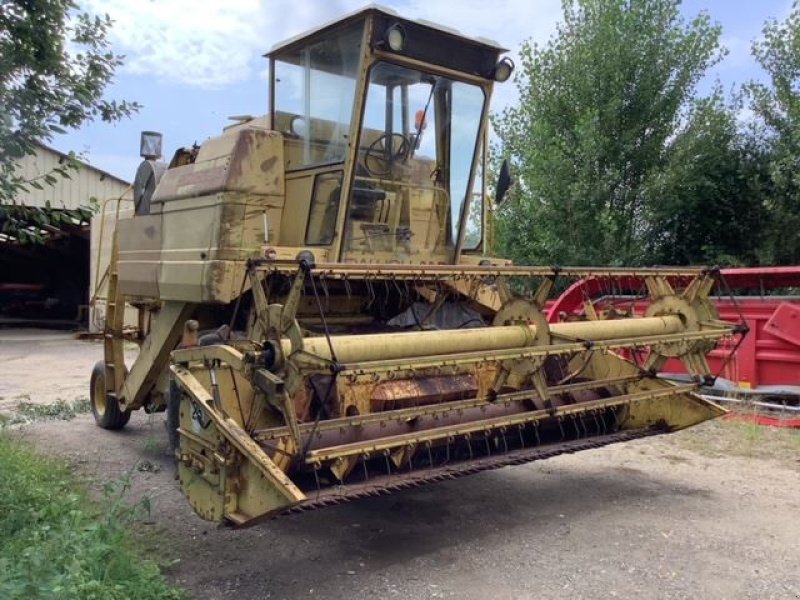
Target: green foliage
(778,107)
(26,412)
(707,202)
(598,105)
(55,63)
(55,545)
(30,223)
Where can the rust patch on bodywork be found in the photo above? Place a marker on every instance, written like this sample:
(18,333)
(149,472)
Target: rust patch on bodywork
(422,390)
(269,164)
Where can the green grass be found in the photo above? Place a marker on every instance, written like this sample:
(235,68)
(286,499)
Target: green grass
(28,412)
(722,437)
(60,409)
(56,543)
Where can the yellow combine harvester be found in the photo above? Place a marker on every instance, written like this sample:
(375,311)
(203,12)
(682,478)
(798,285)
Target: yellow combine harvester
(359,339)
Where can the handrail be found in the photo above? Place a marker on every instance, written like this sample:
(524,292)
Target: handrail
(97,281)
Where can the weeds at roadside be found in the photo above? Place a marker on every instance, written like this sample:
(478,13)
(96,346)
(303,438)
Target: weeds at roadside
(722,437)
(59,544)
(29,412)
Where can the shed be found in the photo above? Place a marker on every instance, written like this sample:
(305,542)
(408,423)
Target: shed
(50,282)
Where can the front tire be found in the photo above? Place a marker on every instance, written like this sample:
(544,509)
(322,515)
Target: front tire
(106,411)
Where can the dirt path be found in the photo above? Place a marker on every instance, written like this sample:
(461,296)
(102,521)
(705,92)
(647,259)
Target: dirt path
(42,366)
(668,517)
(713,512)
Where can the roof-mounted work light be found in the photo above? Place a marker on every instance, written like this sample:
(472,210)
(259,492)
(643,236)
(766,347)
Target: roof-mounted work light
(503,69)
(395,38)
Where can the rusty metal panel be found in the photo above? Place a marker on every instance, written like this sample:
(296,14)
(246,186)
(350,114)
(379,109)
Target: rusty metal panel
(246,160)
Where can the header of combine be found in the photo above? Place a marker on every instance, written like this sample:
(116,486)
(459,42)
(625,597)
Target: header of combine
(358,337)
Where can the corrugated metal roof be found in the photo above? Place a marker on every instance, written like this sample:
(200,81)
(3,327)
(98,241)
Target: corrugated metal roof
(88,182)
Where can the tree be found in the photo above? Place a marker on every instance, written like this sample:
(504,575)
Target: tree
(598,106)
(55,64)
(778,106)
(708,202)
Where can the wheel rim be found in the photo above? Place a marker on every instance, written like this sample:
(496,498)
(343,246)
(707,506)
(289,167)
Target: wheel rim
(100,401)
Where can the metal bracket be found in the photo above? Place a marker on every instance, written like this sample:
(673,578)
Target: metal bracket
(268,382)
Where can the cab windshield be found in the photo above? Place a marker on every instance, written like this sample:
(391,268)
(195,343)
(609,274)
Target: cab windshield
(315,88)
(414,166)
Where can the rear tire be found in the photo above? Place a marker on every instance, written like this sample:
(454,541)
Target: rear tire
(106,411)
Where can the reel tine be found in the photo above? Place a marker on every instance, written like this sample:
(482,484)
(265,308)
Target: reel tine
(316,477)
(561,427)
(364,458)
(521,437)
(430,454)
(616,421)
(386,460)
(505,441)
(370,294)
(397,287)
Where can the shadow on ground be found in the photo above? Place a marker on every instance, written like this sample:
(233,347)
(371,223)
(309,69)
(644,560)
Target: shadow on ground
(325,549)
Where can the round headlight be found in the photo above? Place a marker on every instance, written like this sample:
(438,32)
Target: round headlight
(395,38)
(503,69)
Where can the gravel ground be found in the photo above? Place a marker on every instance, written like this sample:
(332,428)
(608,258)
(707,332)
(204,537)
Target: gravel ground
(712,512)
(42,366)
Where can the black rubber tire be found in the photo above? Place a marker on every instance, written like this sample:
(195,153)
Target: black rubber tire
(105,410)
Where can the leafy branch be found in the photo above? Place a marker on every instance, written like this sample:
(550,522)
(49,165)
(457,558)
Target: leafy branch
(55,65)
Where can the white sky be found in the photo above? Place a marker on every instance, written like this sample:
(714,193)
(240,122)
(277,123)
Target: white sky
(193,63)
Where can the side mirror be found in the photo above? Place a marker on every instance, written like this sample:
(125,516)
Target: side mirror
(150,145)
(504,183)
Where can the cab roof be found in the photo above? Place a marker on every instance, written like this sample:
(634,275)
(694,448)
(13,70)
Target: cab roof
(389,12)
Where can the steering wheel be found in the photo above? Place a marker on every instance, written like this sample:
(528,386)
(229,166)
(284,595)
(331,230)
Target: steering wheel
(377,161)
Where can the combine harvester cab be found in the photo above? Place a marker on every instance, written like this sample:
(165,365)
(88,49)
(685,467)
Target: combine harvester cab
(358,338)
